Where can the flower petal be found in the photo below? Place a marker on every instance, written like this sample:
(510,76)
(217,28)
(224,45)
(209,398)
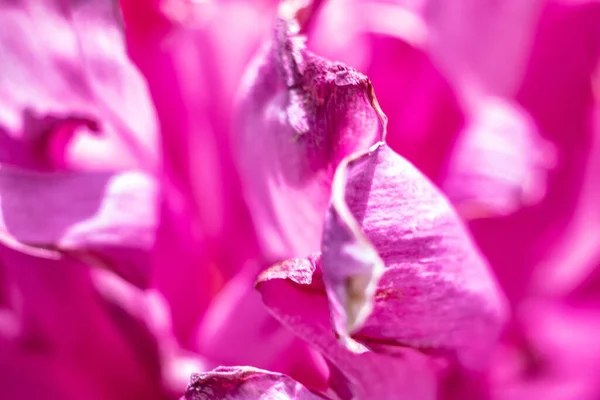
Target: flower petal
(192,66)
(294,294)
(559,97)
(109,214)
(72,100)
(499,163)
(300,115)
(68,332)
(240,383)
(238,330)
(436,290)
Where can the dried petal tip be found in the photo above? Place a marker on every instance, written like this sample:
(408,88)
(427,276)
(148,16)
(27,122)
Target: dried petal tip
(245,383)
(352,291)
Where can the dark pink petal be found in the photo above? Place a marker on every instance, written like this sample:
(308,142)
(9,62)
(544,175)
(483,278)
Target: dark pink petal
(300,115)
(237,329)
(388,43)
(436,291)
(192,67)
(241,383)
(560,358)
(71,98)
(69,338)
(294,294)
(559,97)
(572,266)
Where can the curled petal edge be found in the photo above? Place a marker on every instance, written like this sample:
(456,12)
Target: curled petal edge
(357,297)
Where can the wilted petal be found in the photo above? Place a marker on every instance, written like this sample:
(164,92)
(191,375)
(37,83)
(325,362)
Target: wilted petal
(436,290)
(300,115)
(499,163)
(294,293)
(241,383)
(71,98)
(109,214)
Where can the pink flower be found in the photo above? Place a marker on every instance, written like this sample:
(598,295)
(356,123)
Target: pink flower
(358,199)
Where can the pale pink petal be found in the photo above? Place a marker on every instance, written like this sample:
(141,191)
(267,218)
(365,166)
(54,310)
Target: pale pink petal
(111,215)
(300,115)
(241,383)
(482,42)
(435,290)
(499,163)
(388,42)
(294,293)
(71,98)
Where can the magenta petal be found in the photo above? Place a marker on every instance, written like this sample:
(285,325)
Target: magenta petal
(294,294)
(436,291)
(238,330)
(387,42)
(499,163)
(241,383)
(191,65)
(66,330)
(300,115)
(561,361)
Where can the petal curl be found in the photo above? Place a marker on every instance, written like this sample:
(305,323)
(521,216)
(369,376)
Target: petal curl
(436,290)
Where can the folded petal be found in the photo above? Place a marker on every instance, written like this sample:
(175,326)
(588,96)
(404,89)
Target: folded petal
(295,295)
(436,290)
(240,383)
(71,98)
(299,116)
